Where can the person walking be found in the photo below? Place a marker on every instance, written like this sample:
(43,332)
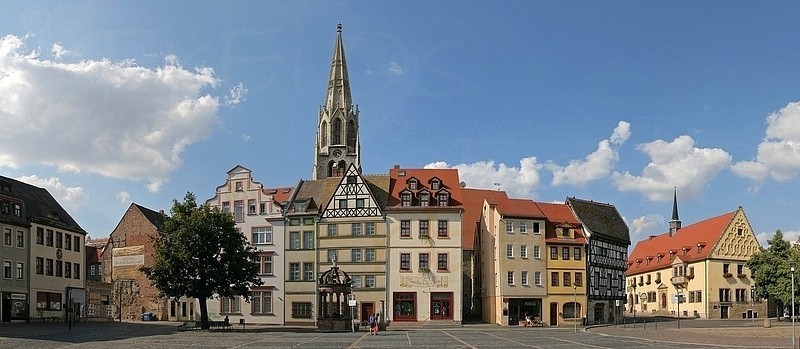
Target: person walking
(372,325)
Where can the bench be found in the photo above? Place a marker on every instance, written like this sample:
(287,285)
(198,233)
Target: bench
(188,326)
(220,325)
(52,318)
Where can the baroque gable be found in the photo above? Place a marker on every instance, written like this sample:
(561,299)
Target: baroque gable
(738,241)
(352,198)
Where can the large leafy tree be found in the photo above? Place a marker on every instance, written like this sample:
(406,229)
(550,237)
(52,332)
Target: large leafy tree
(199,253)
(772,270)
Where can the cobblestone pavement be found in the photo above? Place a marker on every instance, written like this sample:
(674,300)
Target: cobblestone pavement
(165,335)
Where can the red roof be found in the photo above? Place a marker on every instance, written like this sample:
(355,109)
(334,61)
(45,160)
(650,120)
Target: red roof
(519,208)
(279,195)
(704,233)
(473,205)
(448,178)
(558,215)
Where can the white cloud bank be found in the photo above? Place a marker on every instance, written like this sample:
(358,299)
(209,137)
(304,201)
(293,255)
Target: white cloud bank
(779,153)
(111,118)
(71,198)
(597,165)
(516,182)
(674,164)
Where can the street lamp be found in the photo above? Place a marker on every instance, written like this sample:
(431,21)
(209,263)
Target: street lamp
(633,303)
(753,303)
(575,305)
(791,268)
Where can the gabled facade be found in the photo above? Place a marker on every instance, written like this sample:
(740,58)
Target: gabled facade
(98,292)
(703,262)
(15,227)
(352,232)
(258,214)
(510,231)
(424,214)
(565,277)
(606,258)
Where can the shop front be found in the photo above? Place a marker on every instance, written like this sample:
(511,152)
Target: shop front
(14,307)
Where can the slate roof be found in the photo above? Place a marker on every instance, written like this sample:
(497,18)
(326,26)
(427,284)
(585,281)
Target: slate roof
(155,218)
(706,233)
(40,206)
(317,192)
(557,215)
(601,219)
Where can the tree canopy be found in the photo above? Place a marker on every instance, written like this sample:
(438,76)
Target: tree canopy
(772,271)
(199,254)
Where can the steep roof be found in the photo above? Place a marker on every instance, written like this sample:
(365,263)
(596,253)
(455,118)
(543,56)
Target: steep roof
(280,195)
(40,206)
(601,219)
(558,215)
(519,208)
(447,177)
(155,218)
(316,193)
(705,233)
(473,206)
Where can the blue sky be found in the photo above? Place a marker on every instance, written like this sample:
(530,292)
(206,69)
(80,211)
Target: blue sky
(108,103)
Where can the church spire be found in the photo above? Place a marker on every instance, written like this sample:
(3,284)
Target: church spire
(337,144)
(675,223)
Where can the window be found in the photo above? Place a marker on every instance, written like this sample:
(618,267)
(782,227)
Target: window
(226,207)
(261,302)
(262,235)
(537,278)
(554,253)
(59,239)
(308,240)
(238,186)
(523,251)
(565,253)
(342,203)
(369,227)
(509,227)
(331,255)
(724,294)
(39,265)
(48,301)
(405,199)
(67,242)
(577,253)
(444,199)
(435,184)
(262,207)
(369,281)
(7,269)
(238,210)
(536,253)
(554,279)
(565,232)
(76,243)
(77,269)
(355,229)
(7,237)
(567,280)
(412,184)
(740,269)
(20,270)
(355,255)
(442,264)
(361,203)
(294,271)
(301,310)
(40,236)
(424,199)
(741,295)
(699,296)
(352,179)
(59,268)
(405,262)
(423,261)
(578,279)
(17,210)
(369,254)
(229,305)
(523,278)
(294,240)
(92,270)
(332,230)
(536,228)
(523,227)
(48,267)
(356,281)
(49,238)
(510,278)
(67,270)
(251,206)
(308,271)
(443,229)
(405,229)
(266,264)
(510,251)
(423,229)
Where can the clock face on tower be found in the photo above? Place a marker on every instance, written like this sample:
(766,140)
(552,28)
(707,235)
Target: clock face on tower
(337,153)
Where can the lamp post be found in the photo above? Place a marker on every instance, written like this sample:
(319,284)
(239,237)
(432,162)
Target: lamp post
(633,303)
(753,303)
(791,268)
(678,296)
(575,305)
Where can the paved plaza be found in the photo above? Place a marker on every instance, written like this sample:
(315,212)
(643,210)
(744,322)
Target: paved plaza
(693,334)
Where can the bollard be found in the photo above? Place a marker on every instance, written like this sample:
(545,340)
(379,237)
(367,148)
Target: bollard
(656,321)
(644,327)
(767,323)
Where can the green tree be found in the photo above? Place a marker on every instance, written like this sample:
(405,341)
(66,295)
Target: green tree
(199,253)
(772,273)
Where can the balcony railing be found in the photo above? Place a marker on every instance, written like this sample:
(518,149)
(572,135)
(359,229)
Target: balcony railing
(680,280)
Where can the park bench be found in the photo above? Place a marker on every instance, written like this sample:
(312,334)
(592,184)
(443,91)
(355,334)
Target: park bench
(188,326)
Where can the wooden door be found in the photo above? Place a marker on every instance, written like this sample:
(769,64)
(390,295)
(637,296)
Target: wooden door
(553,314)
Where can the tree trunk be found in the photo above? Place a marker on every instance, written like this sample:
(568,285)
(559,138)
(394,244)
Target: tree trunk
(203,313)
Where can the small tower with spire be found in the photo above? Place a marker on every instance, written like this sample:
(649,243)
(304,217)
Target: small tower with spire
(337,144)
(675,222)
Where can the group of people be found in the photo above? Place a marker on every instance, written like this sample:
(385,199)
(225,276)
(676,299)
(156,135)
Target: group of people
(373,324)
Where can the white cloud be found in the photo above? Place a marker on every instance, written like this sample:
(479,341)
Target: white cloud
(71,198)
(246,137)
(646,225)
(115,119)
(517,182)
(597,165)
(790,236)
(395,68)
(779,153)
(123,197)
(59,51)
(236,94)
(674,164)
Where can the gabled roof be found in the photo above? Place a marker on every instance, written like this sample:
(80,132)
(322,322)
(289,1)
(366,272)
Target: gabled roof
(559,215)
(40,206)
(706,233)
(601,219)
(280,195)
(155,218)
(400,176)
(316,193)
(519,208)
(473,206)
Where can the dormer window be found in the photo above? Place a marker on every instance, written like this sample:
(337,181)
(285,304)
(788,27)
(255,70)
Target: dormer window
(435,184)
(424,199)
(565,232)
(443,199)
(412,184)
(405,199)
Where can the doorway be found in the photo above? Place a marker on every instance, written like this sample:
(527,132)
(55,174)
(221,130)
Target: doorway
(723,312)
(663,301)
(367,309)
(553,314)
(441,306)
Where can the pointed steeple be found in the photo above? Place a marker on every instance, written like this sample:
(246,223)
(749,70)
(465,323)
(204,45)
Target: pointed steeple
(337,144)
(675,223)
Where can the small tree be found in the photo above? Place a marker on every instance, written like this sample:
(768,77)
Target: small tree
(199,253)
(771,269)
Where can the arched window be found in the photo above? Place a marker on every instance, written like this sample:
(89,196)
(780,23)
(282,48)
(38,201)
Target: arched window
(324,133)
(331,168)
(336,132)
(351,134)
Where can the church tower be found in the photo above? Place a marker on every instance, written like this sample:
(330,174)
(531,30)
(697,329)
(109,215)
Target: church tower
(337,144)
(675,223)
